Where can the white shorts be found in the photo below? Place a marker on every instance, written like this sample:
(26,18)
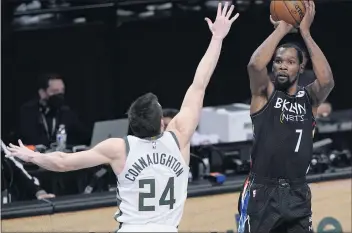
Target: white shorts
(147,228)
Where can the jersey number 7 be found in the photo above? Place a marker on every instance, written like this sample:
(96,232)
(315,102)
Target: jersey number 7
(299,131)
(151,194)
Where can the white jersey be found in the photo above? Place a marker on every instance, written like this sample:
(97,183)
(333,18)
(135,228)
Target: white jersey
(152,186)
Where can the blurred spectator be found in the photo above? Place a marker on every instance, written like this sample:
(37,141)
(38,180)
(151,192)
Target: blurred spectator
(41,117)
(197,138)
(168,114)
(324,110)
(17,184)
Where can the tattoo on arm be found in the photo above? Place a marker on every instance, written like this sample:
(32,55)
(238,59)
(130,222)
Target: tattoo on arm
(310,42)
(318,93)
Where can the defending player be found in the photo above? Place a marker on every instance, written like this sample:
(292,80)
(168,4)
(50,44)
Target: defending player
(151,166)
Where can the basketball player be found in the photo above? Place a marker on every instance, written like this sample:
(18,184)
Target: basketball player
(152,166)
(276,197)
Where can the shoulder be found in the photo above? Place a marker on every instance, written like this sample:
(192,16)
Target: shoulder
(306,78)
(174,137)
(115,143)
(305,91)
(111,147)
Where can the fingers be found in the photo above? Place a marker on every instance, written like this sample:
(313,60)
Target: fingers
(224,13)
(13,146)
(234,18)
(44,196)
(219,10)
(271,20)
(229,13)
(275,23)
(12,150)
(20,143)
(306,5)
(8,153)
(225,9)
(312,6)
(209,22)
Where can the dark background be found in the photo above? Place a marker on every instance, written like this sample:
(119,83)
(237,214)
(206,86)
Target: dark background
(105,67)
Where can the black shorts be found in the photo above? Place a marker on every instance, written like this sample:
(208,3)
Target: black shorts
(275,205)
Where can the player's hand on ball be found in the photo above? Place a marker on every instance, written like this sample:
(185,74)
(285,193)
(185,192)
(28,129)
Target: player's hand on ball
(308,16)
(287,26)
(222,24)
(21,151)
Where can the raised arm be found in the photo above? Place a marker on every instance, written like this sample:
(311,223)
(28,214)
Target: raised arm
(186,121)
(260,84)
(103,153)
(322,86)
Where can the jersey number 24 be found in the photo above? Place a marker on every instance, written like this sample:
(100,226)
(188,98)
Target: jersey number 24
(151,194)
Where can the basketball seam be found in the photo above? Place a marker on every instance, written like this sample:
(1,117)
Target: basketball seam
(290,13)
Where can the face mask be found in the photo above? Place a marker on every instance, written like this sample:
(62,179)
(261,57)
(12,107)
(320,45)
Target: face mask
(56,101)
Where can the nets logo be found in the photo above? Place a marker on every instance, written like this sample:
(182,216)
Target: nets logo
(290,112)
(300,94)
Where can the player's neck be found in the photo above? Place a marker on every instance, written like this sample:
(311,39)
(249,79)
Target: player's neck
(292,90)
(154,137)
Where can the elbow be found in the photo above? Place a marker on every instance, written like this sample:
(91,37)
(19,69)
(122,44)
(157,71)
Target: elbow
(328,81)
(61,167)
(332,82)
(331,78)
(254,66)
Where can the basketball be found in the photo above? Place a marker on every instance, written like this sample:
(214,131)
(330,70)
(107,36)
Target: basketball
(291,12)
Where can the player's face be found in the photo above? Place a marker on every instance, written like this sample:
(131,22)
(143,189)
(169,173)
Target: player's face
(286,68)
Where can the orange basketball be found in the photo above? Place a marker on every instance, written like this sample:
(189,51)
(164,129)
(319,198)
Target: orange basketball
(291,12)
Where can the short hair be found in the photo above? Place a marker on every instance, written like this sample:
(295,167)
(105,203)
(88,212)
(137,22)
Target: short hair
(145,115)
(294,46)
(43,80)
(170,112)
(303,48)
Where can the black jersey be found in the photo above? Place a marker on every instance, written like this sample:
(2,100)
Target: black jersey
(283,136)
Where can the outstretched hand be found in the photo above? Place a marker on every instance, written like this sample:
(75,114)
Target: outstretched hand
(222,24)
(21,151)
(286,26)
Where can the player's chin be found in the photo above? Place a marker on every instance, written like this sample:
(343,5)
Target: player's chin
(281,80)
(282,85)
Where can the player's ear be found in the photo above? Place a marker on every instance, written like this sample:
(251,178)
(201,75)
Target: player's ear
(301,68)
(42,93)
(162,125)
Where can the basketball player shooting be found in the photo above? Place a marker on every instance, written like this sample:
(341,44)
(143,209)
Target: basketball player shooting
(152,166)
(276,197)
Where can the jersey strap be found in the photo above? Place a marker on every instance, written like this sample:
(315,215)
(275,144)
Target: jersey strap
(175,138)
(127,145)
